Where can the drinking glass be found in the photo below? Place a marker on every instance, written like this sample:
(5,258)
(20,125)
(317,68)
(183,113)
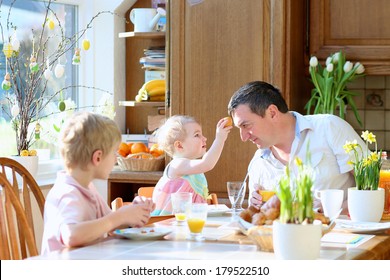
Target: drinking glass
(181,205)
(266,194)
(236,193)
(196,220)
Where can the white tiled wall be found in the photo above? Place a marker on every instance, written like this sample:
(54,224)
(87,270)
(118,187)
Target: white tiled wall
(373,103)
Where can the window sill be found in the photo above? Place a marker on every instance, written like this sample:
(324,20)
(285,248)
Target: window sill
(47,172)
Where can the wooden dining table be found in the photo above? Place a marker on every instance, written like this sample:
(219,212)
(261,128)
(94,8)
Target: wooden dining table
(223,240)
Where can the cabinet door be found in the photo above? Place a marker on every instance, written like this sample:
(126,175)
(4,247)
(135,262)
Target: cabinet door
(215,47)
(359,27)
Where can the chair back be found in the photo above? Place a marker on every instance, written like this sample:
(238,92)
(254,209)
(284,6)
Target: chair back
(17,239)
(23,185)
(146,191)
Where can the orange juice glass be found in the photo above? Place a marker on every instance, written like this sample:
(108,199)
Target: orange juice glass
(196,220)
(266,194)
(180,217)
(384,182)
(181,205)
(196,225)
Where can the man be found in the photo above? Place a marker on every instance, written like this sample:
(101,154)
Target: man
(260,112)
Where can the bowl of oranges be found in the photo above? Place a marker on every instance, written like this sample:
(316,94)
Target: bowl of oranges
(137,156)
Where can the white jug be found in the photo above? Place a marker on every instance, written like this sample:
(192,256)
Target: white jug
(145,19)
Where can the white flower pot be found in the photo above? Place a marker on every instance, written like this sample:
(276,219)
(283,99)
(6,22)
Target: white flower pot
(30,163)
(297,242)
(366,206)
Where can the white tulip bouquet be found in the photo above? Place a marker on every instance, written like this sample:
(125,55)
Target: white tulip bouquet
(330,91)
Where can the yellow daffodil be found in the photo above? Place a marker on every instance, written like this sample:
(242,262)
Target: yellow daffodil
(366,166)
(368,136)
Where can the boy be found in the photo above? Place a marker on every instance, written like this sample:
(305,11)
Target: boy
(75,214)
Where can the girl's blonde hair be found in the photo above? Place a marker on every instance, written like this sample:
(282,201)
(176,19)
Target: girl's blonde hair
(172,130)
(84,134)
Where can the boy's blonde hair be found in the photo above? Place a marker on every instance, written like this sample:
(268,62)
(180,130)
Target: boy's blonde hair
(84,134)
(172,130)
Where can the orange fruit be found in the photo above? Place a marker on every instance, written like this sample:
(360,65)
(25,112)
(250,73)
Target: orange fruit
(155,150)
(123,149)
(139,147)
(230,121)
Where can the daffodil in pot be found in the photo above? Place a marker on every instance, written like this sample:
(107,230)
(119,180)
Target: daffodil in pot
(296,235)
(330,94)
(366,200)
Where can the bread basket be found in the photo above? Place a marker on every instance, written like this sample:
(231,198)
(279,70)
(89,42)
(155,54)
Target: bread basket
(141,162)
(260,235)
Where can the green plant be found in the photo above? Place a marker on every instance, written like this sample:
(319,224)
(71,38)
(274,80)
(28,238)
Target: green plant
(330,92)
(295,195)
(366,165)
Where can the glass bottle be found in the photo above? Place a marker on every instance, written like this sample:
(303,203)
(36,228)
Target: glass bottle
(384,182)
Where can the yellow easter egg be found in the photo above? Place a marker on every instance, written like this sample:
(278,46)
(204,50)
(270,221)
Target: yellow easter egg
(51,24)
(7,50)
(32,153)
(24,153)
(86,44)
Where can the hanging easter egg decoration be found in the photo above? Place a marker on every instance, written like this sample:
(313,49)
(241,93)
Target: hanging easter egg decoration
(15,43)
(34,67)
(15,110)
(51,24)
(7,50)
(59,70)
(37,131)
(6,84)
(61,105)
(86,44)
(76,57)
(48,74)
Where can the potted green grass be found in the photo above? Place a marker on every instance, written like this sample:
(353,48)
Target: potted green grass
(296,235)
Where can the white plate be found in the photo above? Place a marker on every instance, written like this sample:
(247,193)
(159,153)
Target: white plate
(358,227)
(143,233)
(217,210)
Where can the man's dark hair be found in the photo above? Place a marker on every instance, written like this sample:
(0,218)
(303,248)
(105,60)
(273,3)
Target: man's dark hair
(258,96)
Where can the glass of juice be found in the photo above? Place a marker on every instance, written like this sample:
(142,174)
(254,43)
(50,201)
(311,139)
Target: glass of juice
(181,205)
(196,220)
(266,194)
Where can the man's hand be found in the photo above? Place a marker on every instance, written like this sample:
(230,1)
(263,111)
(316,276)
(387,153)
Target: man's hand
(256,200)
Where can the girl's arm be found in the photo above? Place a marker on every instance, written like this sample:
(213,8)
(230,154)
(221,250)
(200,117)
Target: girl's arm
(182,166)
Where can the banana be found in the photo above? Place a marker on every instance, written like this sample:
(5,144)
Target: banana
(157,98)
(156,91)
(153,84)
(153,90)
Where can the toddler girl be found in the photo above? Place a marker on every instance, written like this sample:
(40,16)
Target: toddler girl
(181,138)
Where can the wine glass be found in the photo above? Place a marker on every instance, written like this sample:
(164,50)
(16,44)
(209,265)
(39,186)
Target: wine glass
(196,220)
(236,193)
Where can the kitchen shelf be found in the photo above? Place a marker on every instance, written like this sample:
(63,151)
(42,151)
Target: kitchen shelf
(152,35)
(142,104)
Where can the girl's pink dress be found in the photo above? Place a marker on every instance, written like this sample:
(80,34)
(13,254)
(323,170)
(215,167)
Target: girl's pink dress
(195,184)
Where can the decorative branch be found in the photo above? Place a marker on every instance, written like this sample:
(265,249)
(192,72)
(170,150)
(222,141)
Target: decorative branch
(27,66)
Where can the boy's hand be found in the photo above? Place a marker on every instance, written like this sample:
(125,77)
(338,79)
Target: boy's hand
(135,215)
(145,200)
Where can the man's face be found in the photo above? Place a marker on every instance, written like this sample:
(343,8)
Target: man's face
(253,127)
